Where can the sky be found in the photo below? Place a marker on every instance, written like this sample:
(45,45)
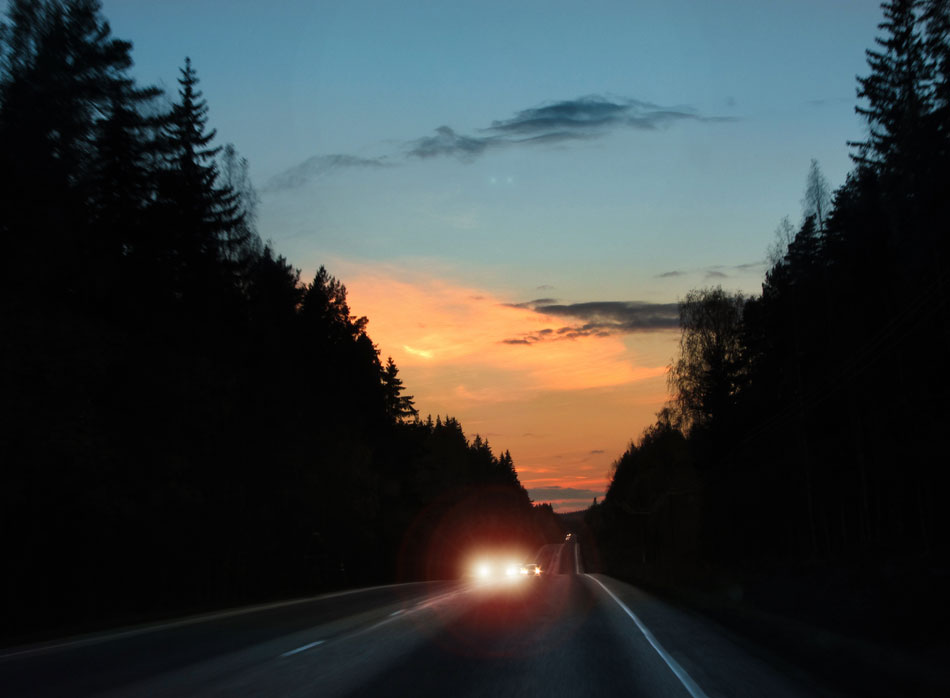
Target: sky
(516,194)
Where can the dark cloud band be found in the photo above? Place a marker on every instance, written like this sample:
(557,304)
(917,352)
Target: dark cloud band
(574,119)
(598,319)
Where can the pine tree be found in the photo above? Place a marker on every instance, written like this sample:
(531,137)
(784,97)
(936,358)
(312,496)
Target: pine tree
(897,96)
(60,72)
(936,14)
(200,212)
(398,406)
(124,242)
(242,244)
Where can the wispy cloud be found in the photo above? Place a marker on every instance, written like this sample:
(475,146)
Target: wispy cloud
(556,122)
(717,271)
(319,165)
(447,142)
(552,123)
(598,319)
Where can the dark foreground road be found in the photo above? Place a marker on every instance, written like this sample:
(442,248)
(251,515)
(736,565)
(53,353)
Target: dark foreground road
(563,634)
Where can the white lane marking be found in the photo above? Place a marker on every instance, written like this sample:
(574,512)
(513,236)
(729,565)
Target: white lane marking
(577,559)
(95,639)
(394,616)
(302,648)
(691,686)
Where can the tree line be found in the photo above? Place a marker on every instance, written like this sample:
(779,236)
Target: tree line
(186,423)
(807,425)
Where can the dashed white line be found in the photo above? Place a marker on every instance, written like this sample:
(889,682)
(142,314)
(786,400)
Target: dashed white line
(302,648)
(95,639)
(688,683)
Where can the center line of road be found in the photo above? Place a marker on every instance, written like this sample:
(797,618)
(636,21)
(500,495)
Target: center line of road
(694,690)
(302,648)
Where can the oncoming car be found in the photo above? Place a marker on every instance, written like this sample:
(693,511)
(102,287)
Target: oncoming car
(509,567)
(530,569)
(495,569)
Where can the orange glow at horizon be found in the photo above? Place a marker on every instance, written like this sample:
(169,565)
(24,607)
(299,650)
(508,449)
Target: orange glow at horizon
(564,408)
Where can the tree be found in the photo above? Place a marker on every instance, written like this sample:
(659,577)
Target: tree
(897,95)
(123,239)
(784,234)
(241,241)
(708,374)
(398,406)
(324,304)
(817,200)
(60,72)
(200,213)
(937,43)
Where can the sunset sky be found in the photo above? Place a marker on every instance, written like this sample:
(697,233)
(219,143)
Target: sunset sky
(517,193)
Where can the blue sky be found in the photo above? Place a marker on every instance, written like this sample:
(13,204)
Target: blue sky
(588,152)
(292,80)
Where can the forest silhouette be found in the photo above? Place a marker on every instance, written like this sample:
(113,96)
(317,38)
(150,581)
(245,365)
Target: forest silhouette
(186,424)
(801,462)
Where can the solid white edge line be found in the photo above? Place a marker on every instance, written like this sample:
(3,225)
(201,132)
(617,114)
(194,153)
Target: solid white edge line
(691,686)
(302,648)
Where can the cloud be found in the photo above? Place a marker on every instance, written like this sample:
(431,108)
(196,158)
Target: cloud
(447,142)
(596,451)
(556,492)
(464,340)
(598,319)
(551,123)
(589,116)
(749,266)
(556,122)
(530,305)
(319,165)
(715,271)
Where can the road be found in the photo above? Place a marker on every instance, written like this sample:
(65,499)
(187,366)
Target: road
(565,633)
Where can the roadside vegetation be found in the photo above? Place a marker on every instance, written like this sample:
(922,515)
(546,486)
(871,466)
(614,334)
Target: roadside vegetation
(186,422)
(800,464)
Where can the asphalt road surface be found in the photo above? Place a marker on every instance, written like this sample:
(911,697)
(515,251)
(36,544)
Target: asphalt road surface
(565,633)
